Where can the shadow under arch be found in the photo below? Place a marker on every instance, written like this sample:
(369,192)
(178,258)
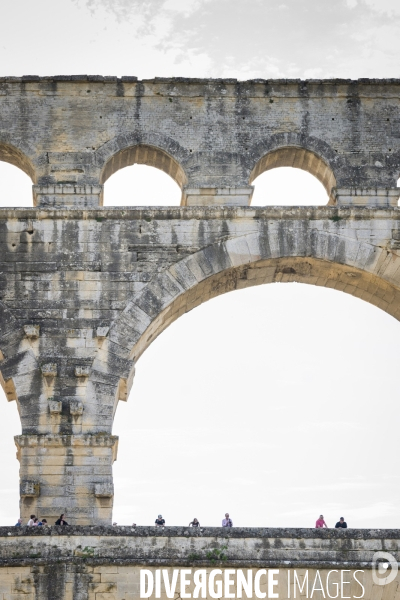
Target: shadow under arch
(12,155)
(300,152)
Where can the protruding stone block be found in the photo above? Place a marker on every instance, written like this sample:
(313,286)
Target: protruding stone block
(29,489)
(104,490)
(76,408)
(49,370)
(9,388)
(32,331)
(102,332)
(55,406)
(82,371)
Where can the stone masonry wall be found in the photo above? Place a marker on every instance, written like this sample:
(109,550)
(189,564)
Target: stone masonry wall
(70,133)
(96,563)
(85,292)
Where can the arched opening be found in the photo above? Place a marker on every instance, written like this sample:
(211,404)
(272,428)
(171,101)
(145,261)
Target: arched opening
(142,175)
(285,186)
(10,421)
(16,177)
(282,177)
(269,404)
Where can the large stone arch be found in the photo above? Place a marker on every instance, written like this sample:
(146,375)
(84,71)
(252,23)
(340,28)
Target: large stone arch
(150,149)
(13,154)
(294,251)
(299,151)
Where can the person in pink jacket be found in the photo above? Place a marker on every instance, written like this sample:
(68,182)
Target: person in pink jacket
(320,522)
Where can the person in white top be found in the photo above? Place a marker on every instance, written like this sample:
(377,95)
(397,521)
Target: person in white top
(31,520)
(227,522)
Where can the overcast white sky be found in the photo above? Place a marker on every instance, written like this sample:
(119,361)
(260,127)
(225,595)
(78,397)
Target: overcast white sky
(274,403)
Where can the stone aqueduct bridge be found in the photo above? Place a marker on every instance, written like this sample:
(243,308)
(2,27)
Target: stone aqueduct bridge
(85,289)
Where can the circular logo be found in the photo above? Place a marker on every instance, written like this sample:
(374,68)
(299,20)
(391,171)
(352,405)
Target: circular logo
(384,568)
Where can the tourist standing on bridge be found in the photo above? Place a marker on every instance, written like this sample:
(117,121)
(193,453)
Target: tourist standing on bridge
(19,523)
(227,522)
(160,522)
(31,520)
(320,522)
(61,521)
(341,523)
(194,523)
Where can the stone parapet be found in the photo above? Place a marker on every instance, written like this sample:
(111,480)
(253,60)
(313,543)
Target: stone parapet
(242,546)
(115,563)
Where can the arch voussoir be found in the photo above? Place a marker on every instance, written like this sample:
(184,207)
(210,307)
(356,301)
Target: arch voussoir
(279,251)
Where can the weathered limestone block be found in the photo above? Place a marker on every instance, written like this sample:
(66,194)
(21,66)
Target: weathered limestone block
(32,331)
(102,332)
(67,469)
(104,490)
(49,370)
(29,489)
(82,371)
(55,407)
(76,408)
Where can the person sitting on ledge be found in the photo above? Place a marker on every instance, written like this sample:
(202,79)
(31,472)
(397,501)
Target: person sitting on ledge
(341,524)
(194,523)
(61,520)
(320,522)
(19,523)
(160,522)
